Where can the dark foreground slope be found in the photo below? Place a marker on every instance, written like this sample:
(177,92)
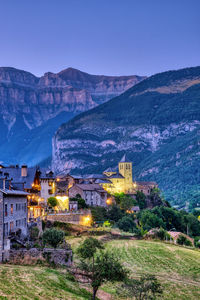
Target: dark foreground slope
(157,123)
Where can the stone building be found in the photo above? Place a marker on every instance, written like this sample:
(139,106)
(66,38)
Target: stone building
(13,217)
(120,180)
(93,194)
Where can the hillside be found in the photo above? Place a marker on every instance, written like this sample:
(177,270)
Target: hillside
(156,122)
(177,268)
(33,108)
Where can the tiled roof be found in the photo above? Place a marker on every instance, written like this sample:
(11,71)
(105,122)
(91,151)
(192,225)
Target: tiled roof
(117,175)
(15,175)
(13,192)
(90,187)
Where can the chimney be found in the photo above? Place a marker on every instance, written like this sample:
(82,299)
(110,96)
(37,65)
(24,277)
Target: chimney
(24,171)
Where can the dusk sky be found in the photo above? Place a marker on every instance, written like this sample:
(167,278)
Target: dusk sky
(111,37)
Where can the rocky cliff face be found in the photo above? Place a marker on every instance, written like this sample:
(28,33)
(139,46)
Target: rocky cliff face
(156,122)
(28,102)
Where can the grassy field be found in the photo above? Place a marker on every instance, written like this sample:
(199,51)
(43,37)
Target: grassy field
(177,268)
(27,282)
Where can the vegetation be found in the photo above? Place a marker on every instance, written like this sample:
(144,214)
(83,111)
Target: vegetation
(53,237)
(52,202)
(99,267)
(146,288)
(81,202)
(182,240)
(38,282)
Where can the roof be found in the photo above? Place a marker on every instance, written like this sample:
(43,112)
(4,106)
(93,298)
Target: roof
(14,192)
(125,159)
(15,175)
(103,181)
(109,170)
(117,175)
(90,187)
(135,208)
(94,176)
(46,174)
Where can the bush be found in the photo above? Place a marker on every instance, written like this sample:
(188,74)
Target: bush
(53,237)
(52,201)
(182,240)
(34,233)
(197,241)
(126,224)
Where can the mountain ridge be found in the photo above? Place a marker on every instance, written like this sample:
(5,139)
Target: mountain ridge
(29,102)
(141,123)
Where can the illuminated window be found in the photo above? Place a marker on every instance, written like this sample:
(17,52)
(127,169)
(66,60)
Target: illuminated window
(11,209)
(11,226)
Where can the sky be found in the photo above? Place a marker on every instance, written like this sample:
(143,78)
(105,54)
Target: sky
(111,37)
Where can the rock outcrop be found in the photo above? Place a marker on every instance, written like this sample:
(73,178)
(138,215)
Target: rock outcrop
(156,122)
(32,108)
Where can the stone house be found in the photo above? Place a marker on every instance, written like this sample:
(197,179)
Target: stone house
(93,194)
(13,217)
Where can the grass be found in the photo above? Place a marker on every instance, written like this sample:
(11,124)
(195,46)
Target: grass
(177,268)
(26,282)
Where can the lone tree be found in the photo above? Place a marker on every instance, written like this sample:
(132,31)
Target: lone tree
(53,237)
(52,201)
(98,265)
(146,288)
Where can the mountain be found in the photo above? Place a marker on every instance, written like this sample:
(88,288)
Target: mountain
(156,123)
(33,108)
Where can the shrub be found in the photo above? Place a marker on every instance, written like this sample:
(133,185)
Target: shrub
(34,233)
(52,201)
(53,237)
(182,240)
(126,224)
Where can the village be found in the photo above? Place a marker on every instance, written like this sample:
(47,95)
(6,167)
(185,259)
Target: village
(25,193)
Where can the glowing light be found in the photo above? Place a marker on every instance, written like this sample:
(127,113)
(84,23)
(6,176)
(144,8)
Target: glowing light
(58,179)
(62,198)
(109,201)
(135,185)
(86,220)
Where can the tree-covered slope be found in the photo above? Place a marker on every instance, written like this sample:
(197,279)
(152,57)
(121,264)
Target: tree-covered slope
(157,123)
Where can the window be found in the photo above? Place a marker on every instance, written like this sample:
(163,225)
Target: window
(6,210)
(11,209)
(18,223)
(11,226)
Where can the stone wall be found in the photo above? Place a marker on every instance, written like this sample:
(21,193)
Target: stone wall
(67,218)
(61,257)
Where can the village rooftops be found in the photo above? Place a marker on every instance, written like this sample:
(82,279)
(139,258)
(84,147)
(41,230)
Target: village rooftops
(103,181)
(90,187)
(117,175)
(14,192)
(14,173)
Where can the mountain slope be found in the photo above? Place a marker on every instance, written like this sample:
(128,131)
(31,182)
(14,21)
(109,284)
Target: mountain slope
(156,122)
(32,108)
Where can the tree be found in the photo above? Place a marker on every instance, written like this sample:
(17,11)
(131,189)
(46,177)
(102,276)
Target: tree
(114,213)
(99,214)
(53,237)
(126,224)
(127,202)
(150,220)
(141,199)
(99,266)
(146,288)
(52,201)
(182,240)
(80,200)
